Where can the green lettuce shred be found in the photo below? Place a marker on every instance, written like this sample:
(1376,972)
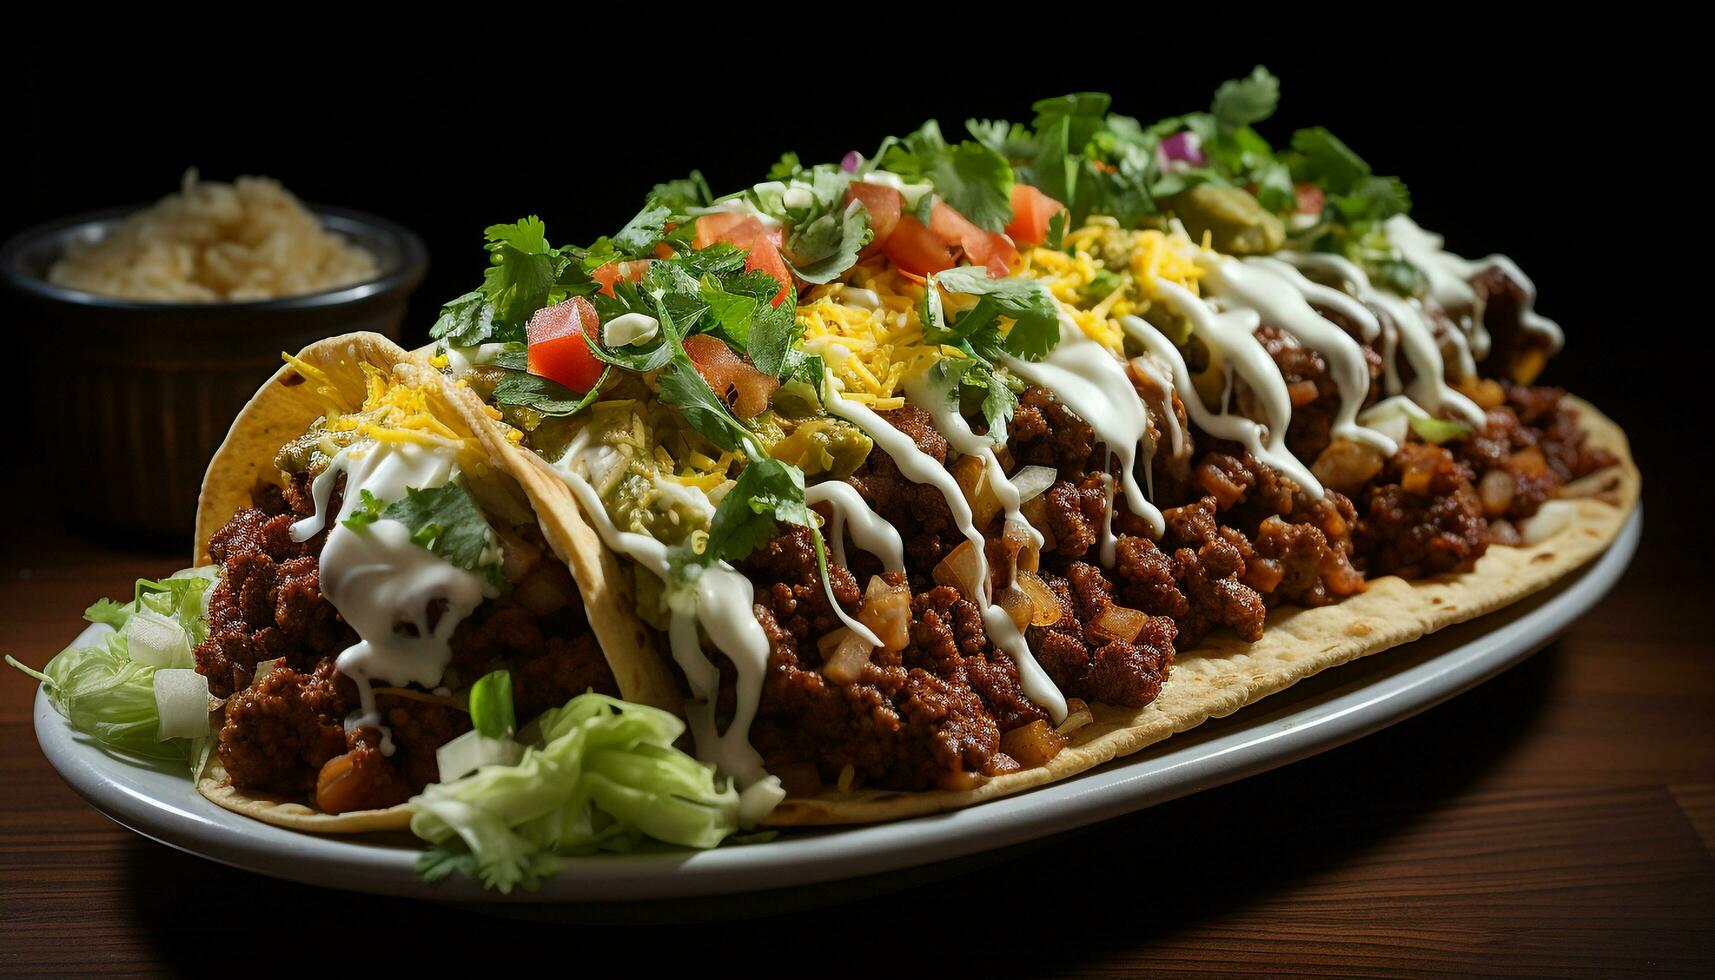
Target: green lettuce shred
(603,777)
(108,696)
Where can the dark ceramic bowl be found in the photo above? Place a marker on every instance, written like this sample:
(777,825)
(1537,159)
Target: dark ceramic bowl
(133,397)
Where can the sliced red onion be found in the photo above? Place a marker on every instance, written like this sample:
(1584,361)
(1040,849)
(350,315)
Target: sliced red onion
(851,161)
(1183,147)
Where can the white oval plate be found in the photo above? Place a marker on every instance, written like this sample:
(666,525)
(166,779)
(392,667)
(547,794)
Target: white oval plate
(1321,713)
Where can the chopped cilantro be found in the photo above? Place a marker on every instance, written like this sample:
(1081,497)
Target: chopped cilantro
(445,519)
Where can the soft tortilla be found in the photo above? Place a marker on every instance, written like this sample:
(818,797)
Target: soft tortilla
(280,412)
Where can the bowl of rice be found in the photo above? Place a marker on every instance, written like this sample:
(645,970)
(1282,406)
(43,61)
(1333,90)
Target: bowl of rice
(149,327)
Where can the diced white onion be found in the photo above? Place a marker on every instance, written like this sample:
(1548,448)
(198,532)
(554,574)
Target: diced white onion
(473,750)
(1392,417)
(629,328)
(157,640)
(1032,481)
(1551,519)
(181,702)
(264,668)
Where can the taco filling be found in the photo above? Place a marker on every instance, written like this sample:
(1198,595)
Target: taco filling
(364,590)
(918,456)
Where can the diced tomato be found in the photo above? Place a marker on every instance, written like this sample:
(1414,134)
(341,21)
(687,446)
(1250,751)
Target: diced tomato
(613,272)
(712,228)
(916,249)
(558,350)
(765,256)
(884,205)
(981,247)
(745,231)
(1310,199)
(732,377)
(1031,212)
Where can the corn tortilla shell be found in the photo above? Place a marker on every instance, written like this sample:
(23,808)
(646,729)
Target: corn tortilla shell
(281,411)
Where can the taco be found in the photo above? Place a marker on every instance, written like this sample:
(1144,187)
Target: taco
(966,466)
(374,563)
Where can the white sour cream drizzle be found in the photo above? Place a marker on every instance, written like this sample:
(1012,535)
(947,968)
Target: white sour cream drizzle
(926,395)
(380,580)
(867,529)
(920,467)
(1230,333)
(1162,379)
(1449,282)
(1277,293)
(1411,335)
(1094,385)
(720,602)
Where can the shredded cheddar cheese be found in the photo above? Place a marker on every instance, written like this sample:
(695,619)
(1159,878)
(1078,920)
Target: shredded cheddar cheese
(1094,293)
(871,352)
(393,411)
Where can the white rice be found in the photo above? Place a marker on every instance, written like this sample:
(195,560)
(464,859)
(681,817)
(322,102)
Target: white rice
(214,242)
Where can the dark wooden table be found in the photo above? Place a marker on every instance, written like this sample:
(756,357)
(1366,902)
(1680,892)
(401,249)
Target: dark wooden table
(1558,819)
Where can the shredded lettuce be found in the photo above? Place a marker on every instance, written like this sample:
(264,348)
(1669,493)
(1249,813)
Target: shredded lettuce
(109,696)
(604,776)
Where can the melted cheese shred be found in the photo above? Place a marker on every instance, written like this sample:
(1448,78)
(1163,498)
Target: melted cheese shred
(1074,273)
(870,335)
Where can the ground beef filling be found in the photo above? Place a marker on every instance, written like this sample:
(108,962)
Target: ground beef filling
(286,734)
(1240,539)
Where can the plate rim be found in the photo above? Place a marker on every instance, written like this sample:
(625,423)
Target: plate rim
(1156,775)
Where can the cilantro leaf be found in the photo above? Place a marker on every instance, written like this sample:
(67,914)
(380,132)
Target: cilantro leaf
(527,236)
(524,275)
(550,398)
(1057,230)
(642,232)
(368,512)
(801,368)
(972,178)
(745,315)
(445,519)
(1246,101)
(682,387)
(679,196)
(829,245)
(732,312)
(1324,160)
(785,167)
(1274,187)
(1036,320)
(767,491)
(1357,200)
(1083,114)
(466,321)
(719,259)
(996,400)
